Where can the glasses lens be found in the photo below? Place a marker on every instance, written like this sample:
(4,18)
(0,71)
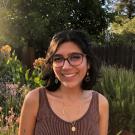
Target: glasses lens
(75,59)
(58,61)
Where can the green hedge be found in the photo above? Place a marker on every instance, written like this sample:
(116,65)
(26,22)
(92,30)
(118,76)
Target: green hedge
(118,85)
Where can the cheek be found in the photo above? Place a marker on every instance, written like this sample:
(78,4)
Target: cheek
(56,71)
(85,66)
(84,70)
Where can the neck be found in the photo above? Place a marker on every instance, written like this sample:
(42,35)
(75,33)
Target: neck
(71,93)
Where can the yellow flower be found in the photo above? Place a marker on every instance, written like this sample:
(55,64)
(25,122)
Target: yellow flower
(39,62)
(5,51)
(6,48)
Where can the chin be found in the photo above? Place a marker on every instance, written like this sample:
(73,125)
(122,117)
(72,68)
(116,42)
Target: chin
(70,85)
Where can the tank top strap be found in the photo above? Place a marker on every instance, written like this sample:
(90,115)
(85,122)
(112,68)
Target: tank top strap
(43,110)
(95,102)
(41,97)
(43,100)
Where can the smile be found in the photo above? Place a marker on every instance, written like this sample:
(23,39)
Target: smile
(69,75)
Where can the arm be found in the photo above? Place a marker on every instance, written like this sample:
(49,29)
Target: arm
(104,114)
(28,113)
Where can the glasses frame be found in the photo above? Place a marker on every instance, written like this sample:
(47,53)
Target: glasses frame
(68,59)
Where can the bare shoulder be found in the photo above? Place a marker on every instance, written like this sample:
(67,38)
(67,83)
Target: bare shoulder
(29,112)
(32,100)
(102,99)
(103,103)
(32,95)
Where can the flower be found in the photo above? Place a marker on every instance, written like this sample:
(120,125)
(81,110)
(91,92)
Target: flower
(6,48)
(5,52)
(39,63)
(10,119)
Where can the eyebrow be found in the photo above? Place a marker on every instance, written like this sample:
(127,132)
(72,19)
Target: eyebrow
(57,54)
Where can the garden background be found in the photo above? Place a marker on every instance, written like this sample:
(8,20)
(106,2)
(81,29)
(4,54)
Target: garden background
(26,27)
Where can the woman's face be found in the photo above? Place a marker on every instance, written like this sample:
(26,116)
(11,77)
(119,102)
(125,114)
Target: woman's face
(70,72)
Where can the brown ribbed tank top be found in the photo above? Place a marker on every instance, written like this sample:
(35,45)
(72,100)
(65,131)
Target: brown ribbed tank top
(48,123)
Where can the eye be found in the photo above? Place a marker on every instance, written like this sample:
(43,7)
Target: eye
(75,57)
(57,58)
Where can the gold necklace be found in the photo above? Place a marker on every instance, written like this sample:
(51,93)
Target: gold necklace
(73,127)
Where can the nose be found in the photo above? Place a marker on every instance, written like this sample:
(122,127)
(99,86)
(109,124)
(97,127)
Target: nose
(66,64)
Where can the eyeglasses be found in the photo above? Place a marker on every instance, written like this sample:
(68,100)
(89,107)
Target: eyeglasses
(74,59)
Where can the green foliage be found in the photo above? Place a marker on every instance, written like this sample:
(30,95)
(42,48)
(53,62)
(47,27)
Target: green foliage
(11,98)
(11,68)
(34,22)
(123,25)
(34,79)
(14,72)
(11,94)
(118,85)
(15,69)
(123,31)
(125,7)
(4,26)
(15,82)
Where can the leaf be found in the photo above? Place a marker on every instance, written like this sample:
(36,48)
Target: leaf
(27,74)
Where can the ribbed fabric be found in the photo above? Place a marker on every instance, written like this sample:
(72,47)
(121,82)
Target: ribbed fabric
(48,123)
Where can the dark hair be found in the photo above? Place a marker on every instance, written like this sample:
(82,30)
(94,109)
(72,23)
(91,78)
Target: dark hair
(81,39)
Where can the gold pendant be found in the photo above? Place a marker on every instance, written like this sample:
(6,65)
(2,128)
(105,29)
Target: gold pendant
(73,128)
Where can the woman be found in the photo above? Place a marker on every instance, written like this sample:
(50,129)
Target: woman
(67,105)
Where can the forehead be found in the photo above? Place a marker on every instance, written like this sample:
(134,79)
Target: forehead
(68,47)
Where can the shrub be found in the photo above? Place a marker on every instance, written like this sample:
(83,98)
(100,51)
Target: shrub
(11,98)
(34,78)
(118,85)
(15,81)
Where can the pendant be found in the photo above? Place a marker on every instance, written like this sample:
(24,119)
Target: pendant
(73,128)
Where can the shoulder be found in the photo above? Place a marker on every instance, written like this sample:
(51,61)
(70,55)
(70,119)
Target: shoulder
(102,99)
(103,103)
(32,96)
(31,99)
